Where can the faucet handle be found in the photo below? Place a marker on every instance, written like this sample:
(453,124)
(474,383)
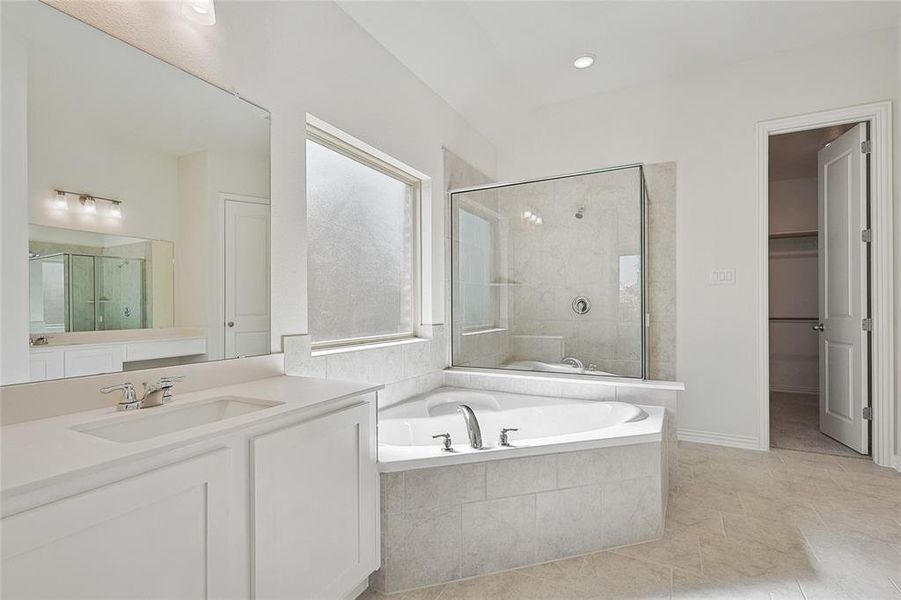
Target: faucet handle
(446,444)
(167,382)
(129,396)
(504,441)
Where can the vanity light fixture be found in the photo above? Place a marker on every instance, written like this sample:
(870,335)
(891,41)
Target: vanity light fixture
(202,12)
(88,203)
(584,61)
(60,201)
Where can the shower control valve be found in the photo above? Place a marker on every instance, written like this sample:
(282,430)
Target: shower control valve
(505,441)
(447,443)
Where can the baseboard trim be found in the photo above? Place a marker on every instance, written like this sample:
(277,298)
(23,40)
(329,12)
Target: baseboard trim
(719,439)
(792,389)
(897,464)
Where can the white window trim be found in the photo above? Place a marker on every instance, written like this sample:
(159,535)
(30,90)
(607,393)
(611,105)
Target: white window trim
(349,146)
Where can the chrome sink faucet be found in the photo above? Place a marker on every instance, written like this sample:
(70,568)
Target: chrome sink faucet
(155,394)
(573,362)
(472,427)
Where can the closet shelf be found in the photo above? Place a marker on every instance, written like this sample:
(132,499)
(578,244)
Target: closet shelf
(793,234)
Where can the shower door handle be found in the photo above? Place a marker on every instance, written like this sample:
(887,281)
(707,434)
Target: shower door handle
(231,323)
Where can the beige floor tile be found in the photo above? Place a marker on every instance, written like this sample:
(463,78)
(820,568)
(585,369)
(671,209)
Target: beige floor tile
(558,570)
(511,585)
(826,587)
(866,466)
(767,533)
(708,495)
(608,575)
(430,593)
(840,555)
(746,558)
(688,586)
(680,549)
(861,524)
(808,459)
(686,515)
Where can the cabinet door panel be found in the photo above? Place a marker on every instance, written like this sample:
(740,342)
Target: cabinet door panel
(161,534)
(315,507)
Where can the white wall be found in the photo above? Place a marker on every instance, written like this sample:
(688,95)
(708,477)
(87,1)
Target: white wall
(706,123)
(63,153)
(13,189)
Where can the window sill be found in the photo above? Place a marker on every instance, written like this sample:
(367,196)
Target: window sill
(369,346)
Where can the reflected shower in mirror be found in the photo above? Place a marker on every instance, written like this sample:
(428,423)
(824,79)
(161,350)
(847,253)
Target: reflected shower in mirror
(143,200)
(548,275)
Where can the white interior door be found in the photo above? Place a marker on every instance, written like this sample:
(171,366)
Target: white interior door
(246,278)
(843,290)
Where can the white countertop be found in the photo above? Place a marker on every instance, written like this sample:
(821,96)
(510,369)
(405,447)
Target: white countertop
(37,453)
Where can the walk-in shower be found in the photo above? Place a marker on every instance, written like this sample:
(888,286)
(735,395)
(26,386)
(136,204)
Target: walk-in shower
(549,274)
(83,292)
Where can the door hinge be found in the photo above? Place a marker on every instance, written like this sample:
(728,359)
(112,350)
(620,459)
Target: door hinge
(866,235)
(865,147)
(867,413)
(866,324)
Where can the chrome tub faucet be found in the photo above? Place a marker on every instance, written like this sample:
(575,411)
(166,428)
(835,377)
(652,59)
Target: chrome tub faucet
(472,427)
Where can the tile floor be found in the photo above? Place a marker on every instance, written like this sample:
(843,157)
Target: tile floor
(743,525)
(795,425)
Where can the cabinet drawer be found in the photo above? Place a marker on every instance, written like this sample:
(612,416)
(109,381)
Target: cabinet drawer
(46,364)
(94,360)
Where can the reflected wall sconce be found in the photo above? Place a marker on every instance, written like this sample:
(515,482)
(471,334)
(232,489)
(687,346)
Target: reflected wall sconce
(88,203)
(202,12)
(531,217)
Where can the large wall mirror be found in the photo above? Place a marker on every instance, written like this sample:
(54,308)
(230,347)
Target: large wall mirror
(144,192)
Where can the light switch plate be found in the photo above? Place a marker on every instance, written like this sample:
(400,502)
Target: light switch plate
(722,277)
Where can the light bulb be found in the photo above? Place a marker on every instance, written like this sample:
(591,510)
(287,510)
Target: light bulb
(539,220)
(527,214)
(61,202)
(202,12)
(583,62)
(115,210)
(88,204)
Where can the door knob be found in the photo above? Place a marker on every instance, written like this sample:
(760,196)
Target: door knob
(231,323)
(819,327)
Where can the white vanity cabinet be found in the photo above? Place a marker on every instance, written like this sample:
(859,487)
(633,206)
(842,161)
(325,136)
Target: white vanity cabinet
(315,506)
(159,534)
(283,507)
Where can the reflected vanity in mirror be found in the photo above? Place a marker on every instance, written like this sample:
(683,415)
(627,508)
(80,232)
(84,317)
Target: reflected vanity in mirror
(140,208)
(548,275)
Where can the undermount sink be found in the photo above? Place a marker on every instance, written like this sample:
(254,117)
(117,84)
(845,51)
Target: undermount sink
(148,423)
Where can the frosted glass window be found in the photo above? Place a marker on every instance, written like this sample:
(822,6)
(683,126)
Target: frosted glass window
(476,272)
(360,223)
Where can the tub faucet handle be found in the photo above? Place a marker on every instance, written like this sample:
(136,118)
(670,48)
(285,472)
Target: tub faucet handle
(505,441)
(446,444)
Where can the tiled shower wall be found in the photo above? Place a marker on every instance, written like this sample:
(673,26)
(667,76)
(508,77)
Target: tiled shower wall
(566,257)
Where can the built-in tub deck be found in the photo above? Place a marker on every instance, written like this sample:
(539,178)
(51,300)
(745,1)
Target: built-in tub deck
(582,476)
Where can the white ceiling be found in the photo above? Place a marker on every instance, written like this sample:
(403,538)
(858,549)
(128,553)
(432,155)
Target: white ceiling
(496,62)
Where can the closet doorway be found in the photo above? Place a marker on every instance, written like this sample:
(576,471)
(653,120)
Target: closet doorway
(819,301)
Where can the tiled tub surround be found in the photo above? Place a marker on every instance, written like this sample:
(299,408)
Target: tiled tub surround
(546,501)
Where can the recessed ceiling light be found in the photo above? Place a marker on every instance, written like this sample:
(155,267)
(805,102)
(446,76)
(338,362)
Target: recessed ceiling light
(583,62)
(202,12)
